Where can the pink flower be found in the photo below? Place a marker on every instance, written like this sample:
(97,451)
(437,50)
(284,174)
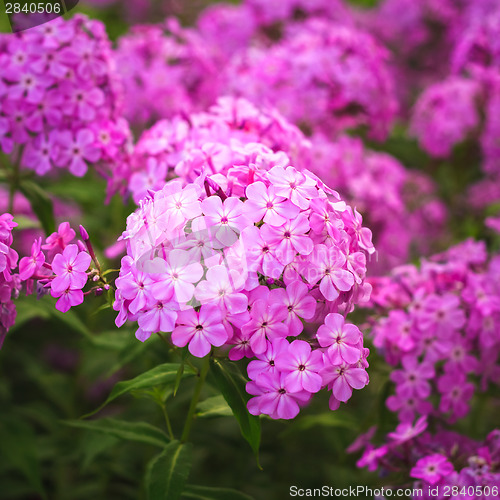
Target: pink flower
(293,185)
(201,330)
(70,268)
(221,288)
(68,298)
(325,265)
(342,379)
(180,274)
(159,318)
(266,361)
(28,266)
(264,203)
(227,219)
(289,239)
(406,431)
(299,304)
(57,242)
(136,287)
(266,323)
(432,468)
(277,399)
(76,150)
(301,366)
(341,339)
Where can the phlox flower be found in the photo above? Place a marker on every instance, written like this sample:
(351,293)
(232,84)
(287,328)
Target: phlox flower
(341,339)
(326,266)
(289,239)
(266,361)
(342,379)
(28,266)
(264,203)
(68,298)
(277,400)
(432,468)
(302,366)
(180,273)
(293,185)
(266,322)
(57,242)
(414,378)
(298,302)
(76,150)
(158,318)
(136,287)
(70,268)
(201,330)
(227,217)
(221,289)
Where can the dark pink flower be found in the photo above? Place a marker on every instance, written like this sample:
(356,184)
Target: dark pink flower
(432,468)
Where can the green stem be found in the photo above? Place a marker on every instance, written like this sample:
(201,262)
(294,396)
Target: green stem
(167,421)
(194,400)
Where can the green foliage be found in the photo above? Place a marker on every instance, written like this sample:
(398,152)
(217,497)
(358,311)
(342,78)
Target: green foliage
(141,432)
(232,387)
(162,374)
(167,473)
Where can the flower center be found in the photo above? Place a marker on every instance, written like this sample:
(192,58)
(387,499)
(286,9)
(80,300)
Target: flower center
(302,368)
(199,327)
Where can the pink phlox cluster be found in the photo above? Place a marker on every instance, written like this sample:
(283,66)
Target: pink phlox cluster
(9,281)
(400,205)
(437,461)
(61,98)
(228,134)
(166,69)
(238,259)
(446,114)
(439,327)
(322,76)
(59,266)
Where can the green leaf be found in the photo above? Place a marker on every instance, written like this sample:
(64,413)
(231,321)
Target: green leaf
(232,387)
(162,374)
(215,406)
(41,205)
(132,431)
(167,473)
(18,448)
(207,493)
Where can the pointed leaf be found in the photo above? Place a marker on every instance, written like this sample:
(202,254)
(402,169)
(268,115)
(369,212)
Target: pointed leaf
(232,387)
(167,473)
(161,374)
(133,431)
(215,406)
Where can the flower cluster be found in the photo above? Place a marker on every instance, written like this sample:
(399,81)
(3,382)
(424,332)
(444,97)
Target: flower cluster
(440,329)
(60,267)
(9,282)
(321,75)
(446,114)
(60,98)
(166,70)
(437,462)
(209,142)
(393,199)
(239,259)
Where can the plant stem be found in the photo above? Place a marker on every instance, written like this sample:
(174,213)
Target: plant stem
(194,400)
(167,421)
